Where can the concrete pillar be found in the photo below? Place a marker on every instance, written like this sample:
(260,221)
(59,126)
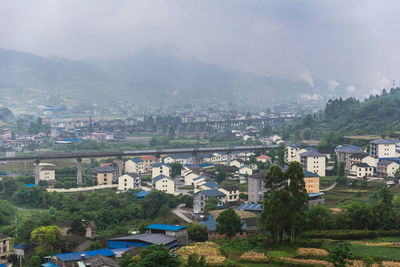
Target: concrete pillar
(79,171)
(194,158)
(228,158)
(37,171)
(119,166)
(158,157)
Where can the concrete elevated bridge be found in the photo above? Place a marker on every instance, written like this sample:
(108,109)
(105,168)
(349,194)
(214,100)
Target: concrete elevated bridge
(131,153)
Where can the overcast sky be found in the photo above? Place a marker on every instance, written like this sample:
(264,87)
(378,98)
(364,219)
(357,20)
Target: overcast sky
(353,41)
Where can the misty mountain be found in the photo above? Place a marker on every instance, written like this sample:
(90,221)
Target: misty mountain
(151,77)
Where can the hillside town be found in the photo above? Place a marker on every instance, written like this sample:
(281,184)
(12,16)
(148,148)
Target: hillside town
(234,180)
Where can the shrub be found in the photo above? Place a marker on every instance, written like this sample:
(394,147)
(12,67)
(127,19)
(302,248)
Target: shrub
(349,234)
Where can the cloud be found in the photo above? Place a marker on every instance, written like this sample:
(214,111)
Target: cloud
(351,88)
(314,97)
(381,81)
(274,38)
(332,84)
(306,76)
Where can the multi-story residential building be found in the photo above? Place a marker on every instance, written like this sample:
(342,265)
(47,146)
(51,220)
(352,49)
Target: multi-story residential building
(387,168)
(148,162)
(4,248)
(129,181)
(256,187)
(200,199)
(160,168)
(104,175)
(231,193)
(313,161)
(311,181)
(363,158)
(46,171)
(343,154)
(361,170)
(135,165)
(190,176)
(291,153)
(382,148)
(164,183)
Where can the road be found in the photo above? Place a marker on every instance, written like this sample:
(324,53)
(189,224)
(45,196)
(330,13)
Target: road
(178,212)
(329,188)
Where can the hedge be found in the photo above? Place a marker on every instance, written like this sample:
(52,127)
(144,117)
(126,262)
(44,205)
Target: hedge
(349,234)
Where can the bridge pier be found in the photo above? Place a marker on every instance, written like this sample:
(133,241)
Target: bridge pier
(194,158)
(228,158)
(119,166)
(158,157)
(79,171)
(37,171)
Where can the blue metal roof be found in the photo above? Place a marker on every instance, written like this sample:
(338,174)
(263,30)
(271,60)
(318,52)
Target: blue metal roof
(213,193)
(49,264)
(159,177)
(250,207)
(349,149)
(21,246)
(74,256)
(142,194)
(29,185)
(211,184)
(316,194)
(137,160)
(309,174)
(166,227)
(2,265)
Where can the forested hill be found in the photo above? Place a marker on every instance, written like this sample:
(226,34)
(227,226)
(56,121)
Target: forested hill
(378,114)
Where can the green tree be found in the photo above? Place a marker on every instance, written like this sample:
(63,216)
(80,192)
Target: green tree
(34,261)
(281,154)
(46,239)
(96,245)
(229,223)
(298,195)
(197,232)
(212,204)
(339,255)
(195,260)
(341,170)
(276,203)
(156,255)
(176,169)
(266,130)
(78,228)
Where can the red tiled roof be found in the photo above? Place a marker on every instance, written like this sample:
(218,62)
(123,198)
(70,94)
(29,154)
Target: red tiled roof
(149,157)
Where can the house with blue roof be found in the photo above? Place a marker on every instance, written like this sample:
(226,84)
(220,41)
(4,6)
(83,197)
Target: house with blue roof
(177,231)
(383,148)
(249,223)
(164,183)
(200,199)
(68,259)
(135,165)
(160,168)
(343,154)
(387,168)
(143,240)
(179,158)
